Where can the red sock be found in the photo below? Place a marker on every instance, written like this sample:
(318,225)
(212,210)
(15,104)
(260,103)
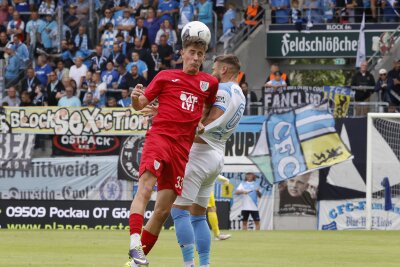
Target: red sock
(148,241)
(135,223)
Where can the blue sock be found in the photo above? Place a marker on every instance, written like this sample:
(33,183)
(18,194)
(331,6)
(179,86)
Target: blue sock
(202,238)
(184,233)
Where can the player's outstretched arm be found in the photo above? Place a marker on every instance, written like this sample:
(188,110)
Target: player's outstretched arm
(139,101)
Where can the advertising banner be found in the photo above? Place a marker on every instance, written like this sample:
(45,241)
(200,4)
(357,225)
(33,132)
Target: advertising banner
(91,178)
(74,121)
(88,145)
(350,214)
(16,151)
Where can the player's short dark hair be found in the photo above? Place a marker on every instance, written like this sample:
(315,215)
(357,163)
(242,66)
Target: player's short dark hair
(231,60)
(194,41)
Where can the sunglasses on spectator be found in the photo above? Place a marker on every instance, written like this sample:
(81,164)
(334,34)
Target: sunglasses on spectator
(384,74)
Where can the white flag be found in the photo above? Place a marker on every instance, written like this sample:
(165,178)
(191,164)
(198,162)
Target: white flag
(361,44)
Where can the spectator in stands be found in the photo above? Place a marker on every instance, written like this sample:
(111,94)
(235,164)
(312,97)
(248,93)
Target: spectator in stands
(295,15)
(228,25)
(70,99)
(40,98)
(21,50)
(3,12)
(54,87)
(86,80)
(123,45)
(280,9)
(143,53)
(109,76)
(61,71)
(30,82)
(166,29)
(177,60)
(346,10)
(142,66)
(47,6)
(81,41)
(384,86)
(168,9)
(273,69)
(116,56)
(141,31)
(92,95)
(313,10)
(12,69)
(394,75)
(11,99)
(166,53)
(108,39)
(112,103)
(389,14)
(71,20)
(3,43)
(78,73)
(107,19)
(67,51)
(250,98)
(50,32)
(125,101)
(277,83)
(42,69)
(33,29)
(98,60)
(137,79)
(125,80)
(26,100)
(100,89)
(126,24)
(155,62)
(16,25)
(138,8)
(21,5)
(186,14)
(328,9)
(117,7)
(363,78)
(82,11)
(205,15)
(152,23)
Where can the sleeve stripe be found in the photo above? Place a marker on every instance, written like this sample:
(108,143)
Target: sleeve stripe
(220,107)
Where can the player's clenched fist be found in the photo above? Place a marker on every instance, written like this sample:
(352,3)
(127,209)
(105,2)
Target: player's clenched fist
(137,91)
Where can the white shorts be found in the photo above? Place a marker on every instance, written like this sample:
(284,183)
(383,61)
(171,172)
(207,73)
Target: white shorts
(203,167)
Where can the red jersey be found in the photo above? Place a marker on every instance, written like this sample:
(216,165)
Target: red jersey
(181,98)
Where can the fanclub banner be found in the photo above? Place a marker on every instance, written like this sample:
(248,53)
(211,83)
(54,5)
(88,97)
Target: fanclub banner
(16,151)
(129,157)
(91,178)
(73,121)
(351,214)
(68,215)
(291,97)
(94,145)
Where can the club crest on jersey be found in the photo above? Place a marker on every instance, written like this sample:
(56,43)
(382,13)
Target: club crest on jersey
(156,164)
(204,86)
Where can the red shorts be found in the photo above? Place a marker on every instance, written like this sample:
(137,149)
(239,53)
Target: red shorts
(167,161)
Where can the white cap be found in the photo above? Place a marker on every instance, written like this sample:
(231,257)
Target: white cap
(382,71)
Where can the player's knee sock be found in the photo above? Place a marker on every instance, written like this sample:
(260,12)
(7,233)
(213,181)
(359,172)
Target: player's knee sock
(202,238)
(135,229)
(184,234)
(148,241)
(213,220)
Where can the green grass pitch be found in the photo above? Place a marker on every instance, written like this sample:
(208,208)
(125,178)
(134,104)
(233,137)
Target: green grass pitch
(250,249)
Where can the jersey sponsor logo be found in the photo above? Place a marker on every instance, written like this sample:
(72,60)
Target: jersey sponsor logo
(220,99)
(204,86)
(188,101)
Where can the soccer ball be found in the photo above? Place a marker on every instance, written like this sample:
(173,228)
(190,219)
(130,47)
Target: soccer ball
(196,28)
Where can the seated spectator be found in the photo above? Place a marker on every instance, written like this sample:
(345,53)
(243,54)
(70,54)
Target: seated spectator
(107,19)
(69,100)
(71,20)
(54,88)
(166,53)
(137,79)
(16,25)
(125,80)
(78,73)
(116,55)
(11,99)
(109,76)
(47,7)
(42,69)
(384,86)
(108,39)
(169,9)
(273,69)
(98,60)
(165,29)
(30,82)
(26,100)
(40,98)
(33,29)
(142,66)
(142,32)
(363,78)
(112,103)
(12,69)
(50,32)
(313,10)
(125,101)
(277,82)
(280,9)
(61,71)
(126,24)
(152,23)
